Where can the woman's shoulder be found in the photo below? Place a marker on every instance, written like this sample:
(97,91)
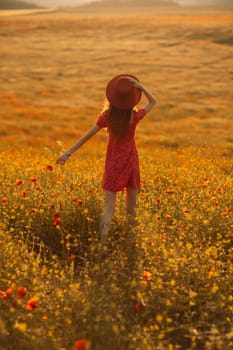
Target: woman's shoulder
(139,114)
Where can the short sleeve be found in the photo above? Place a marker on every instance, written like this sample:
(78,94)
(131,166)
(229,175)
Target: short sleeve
(140,114)
(102,121)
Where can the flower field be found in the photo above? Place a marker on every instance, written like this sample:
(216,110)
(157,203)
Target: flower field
(166,284)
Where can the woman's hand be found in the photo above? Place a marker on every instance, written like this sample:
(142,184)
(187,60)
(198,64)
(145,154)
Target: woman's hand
(63,158)
(136,83)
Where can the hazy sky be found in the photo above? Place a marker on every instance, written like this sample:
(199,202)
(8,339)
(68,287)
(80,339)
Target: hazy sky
(54,3)
(202,2)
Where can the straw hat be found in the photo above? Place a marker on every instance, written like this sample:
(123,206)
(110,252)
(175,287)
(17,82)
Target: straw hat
(121,92)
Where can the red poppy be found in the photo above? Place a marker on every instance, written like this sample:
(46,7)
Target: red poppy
(81,344)
(147,275)
(21,291)
(4,200)
(33,179)
(169,191)
(138,307)
(57,219)
(163,237)
(49,168)
(144,283)
(73,256)
(183,234)
(32,303)
(7,294)
(18,182)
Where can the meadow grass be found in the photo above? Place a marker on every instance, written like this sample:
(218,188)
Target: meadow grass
(164,284)
(54,70)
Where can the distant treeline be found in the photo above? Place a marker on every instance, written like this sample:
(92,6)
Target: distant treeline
(12,4)
(132,3)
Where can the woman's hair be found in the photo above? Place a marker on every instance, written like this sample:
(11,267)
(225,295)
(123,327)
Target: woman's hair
(118,120)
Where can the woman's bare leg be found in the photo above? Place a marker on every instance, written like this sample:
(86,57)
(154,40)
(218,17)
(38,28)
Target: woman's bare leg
(109,207)
(131,205)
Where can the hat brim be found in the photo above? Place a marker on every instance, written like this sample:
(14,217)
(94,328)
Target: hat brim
(114,99)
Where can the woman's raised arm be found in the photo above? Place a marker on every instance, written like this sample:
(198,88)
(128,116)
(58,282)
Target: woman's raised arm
(147,93)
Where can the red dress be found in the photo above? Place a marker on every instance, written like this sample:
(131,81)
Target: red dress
(121,165)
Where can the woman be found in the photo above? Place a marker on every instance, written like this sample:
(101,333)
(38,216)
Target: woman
(121,166)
